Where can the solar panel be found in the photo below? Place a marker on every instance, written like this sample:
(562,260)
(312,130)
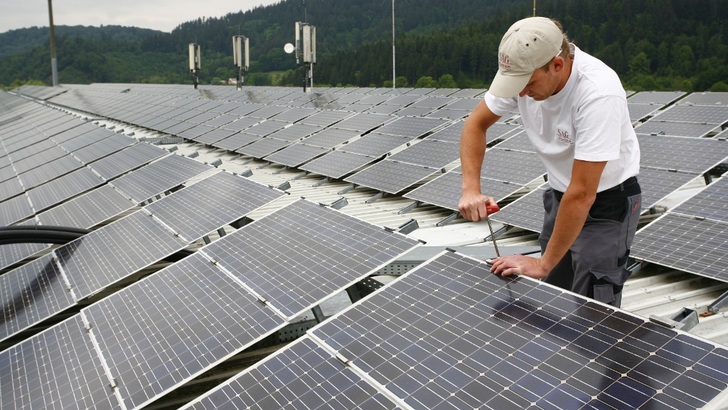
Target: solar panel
(236,141)
(683,243)
(375,144)
(710,203)
(337,164)
(449,114)
(127,159)
(680,129)
(706,98)
(194,132)
(268,111)
(451,133)
(415,111)
(14,210)
(263,147)
(448,334)
(88,210)
(241,124)
(108,254)
(34,150)
(640,111)
(445,191)
(49,171)
(430,153)
(211,203)
(656,184)
(304,375)
(390,176)
(330,137)
(91,137)
(512,166)
(683,154)
(295,132)
(695,114)
(58,368)
(158,177)
(655,97)
(213,135)
(17,252)
(63,188)
(174,324)
(294,114)
(517,142)
(325,118)
(363,122)
(304,253)
(103,148)
(525,212)
(30,294)
(411,127)
(296,154)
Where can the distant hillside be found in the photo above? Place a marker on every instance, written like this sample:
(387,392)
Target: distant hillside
(652,44)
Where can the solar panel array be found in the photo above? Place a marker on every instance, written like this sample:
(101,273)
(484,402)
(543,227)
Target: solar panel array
(448,334)
(234,292)
(685,238)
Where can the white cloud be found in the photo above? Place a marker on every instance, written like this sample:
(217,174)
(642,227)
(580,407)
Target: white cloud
(162,15)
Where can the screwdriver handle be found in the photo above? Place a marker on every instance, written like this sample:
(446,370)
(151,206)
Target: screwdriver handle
(491,209)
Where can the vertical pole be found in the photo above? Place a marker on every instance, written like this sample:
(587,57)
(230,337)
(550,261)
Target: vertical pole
(394,60)
(54,64)
(534,8)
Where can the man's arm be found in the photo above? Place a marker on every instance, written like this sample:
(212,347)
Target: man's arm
(472,151)
(570,219)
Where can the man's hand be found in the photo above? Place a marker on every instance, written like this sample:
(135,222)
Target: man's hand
(473,206)
(520,265)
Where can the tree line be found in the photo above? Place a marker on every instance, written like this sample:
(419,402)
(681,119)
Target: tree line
(652,44)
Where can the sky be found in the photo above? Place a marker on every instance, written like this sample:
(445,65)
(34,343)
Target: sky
(163,15)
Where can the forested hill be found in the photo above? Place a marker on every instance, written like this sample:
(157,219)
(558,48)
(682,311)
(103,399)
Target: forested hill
(652,44)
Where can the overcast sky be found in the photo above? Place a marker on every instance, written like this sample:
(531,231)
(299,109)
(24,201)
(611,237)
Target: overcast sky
(163,15)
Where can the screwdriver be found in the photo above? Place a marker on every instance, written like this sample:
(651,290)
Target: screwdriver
(491,209)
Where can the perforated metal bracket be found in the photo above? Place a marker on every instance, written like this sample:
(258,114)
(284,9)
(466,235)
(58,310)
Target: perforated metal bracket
(685,319)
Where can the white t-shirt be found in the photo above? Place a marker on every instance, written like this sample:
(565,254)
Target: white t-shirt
(587,120)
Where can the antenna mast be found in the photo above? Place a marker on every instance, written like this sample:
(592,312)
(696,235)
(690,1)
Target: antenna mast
(394,60)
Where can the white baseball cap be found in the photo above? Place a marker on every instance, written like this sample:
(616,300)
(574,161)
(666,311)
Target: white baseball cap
(527,46)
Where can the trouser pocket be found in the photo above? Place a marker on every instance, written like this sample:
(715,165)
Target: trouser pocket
(606,285)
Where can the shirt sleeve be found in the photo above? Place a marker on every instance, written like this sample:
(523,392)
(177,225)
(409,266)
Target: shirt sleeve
(598,124)
(500,106)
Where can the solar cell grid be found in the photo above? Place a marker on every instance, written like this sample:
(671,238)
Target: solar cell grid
(680,153)
(14,210)
(325,118)
(58,368)
(63,188)
(375,144)
(14,253)
(127,159)
(88,138)
(655,97)
(49,171)
(640,111)
(431,153)
(195,131)
(295,132)
(526,212)
(695,114)
(363,122)
(114,251)
(711,203)
(518,142)
(214,135)
(656,184)
(34,150)
(383,109)
(236,141)
(173,325)
(412,127)
(706,98)
(451,133)
(444,191)
(447,336)
(433,102)
(263,147)
(685,244)
(680,129)
(512,166)
(30,294)
(158,177)
(304,253)
(304,375)
(390,176)
(103,148)
(87,210)
(268,111)
(294,114)
(211,203)
(415,112)
(266,127)
(296,154)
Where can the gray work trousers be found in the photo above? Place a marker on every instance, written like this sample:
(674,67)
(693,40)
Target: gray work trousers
(595,265)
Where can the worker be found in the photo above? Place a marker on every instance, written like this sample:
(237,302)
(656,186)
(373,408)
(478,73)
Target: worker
(574,111)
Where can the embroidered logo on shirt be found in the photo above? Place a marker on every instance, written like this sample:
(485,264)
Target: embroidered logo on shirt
(504,62)
(564,136)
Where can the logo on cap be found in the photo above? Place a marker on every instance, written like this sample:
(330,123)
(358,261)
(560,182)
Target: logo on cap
(504,62)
